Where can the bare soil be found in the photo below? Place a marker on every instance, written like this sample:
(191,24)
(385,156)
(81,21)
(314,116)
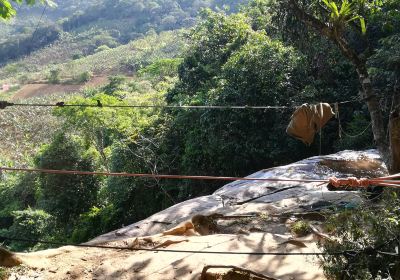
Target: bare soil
(43,89)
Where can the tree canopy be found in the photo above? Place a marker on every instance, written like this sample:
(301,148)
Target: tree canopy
(7,8)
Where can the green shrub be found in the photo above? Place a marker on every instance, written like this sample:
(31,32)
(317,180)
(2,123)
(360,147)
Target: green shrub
(77,56)
(67,196)
(17,192)
(23,79)
(162,68)
(366,231)
(84,77)
(11,69)
(116,83)
(54,76)
(300,228)
(102,48)
(93,223)
(30,224)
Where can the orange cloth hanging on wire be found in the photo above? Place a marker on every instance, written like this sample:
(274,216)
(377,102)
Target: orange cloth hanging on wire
(308,120)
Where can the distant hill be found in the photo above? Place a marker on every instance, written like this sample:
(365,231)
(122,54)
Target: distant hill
(108,22)
(66,58)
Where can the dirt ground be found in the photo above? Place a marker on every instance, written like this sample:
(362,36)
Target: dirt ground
(40,90)
(243,235)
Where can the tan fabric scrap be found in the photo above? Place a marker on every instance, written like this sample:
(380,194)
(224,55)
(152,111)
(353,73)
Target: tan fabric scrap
(307,120)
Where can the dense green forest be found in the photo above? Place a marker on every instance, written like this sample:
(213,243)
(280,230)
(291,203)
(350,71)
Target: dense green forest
(256,54)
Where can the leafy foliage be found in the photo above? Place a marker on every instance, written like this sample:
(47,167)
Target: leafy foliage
(346,14)
(54,76)
(30,224)
(366,227)
(67,196)
(35,127)
(4,274)
(93,223)
(235,66)
(7,10)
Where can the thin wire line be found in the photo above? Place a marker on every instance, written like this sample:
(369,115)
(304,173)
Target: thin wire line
(339,253)
(4,104)
(342,131)
(357,135)
(37,25)
(153,106)
(4,238)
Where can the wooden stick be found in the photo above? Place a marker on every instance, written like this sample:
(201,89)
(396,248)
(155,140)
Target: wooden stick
(234,268)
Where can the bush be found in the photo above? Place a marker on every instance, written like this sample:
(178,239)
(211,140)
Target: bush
(93,223)
(67,196)
(300,228)
(84,77)
(30,224)
(367,230)
(17,192)
(115,85)
(77,56)
(23,79)
(102,48)
(162,68)
(54,76)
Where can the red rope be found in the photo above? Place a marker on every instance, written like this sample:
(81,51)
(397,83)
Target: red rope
(352,181)
(365,182)
(157,176)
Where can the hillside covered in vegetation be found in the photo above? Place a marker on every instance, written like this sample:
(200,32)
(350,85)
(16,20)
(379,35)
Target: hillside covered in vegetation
(95,25)
(165,54)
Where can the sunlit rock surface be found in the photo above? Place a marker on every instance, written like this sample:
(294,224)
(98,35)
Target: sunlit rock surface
(228,199)
(272,207)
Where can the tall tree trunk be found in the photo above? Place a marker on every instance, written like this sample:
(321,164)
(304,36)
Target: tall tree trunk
(394,131)
(378,127)
(336,36)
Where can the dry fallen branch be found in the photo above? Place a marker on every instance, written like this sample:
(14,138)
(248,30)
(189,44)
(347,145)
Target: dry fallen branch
(236,269)
(294,242)
(319,234)
(181,229)
(169,243)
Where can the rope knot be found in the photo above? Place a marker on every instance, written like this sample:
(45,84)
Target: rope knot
(351,181)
